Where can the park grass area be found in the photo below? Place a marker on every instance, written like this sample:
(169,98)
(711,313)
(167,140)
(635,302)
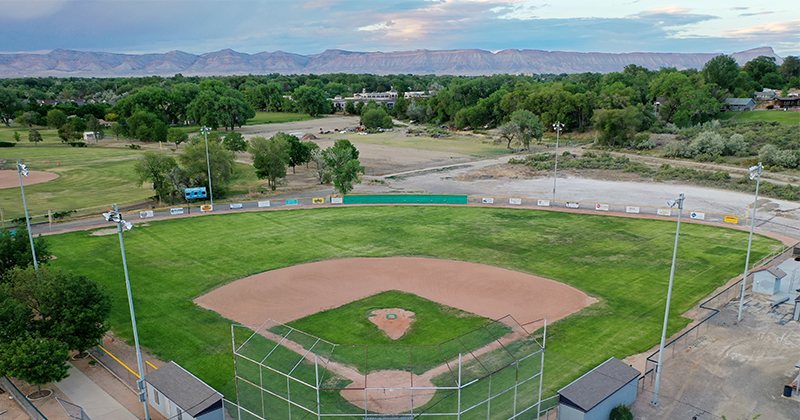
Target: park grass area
(263,117)
(624,262)
(465,144)
(90,178)
(7,134)
(783,117)
(434,324)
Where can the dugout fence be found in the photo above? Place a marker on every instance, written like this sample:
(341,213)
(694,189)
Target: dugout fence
(494,372)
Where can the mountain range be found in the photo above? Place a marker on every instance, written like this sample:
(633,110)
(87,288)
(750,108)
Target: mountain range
(470,62)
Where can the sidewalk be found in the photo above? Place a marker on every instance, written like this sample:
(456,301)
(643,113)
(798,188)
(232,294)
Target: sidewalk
(96,402)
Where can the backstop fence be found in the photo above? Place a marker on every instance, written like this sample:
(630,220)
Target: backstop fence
(493,372)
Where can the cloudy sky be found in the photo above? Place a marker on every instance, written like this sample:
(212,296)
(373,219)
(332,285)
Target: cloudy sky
(312,26)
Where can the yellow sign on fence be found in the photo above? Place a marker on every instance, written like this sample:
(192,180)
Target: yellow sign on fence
(731,219)
(318,200)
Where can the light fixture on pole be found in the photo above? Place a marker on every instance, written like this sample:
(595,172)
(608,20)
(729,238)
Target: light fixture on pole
(114,216)
(679,202)
(658,107)
(205,130)
(22,170)
(755,173)
(557,127)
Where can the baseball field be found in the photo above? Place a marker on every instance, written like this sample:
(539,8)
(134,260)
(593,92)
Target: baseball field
(622,262)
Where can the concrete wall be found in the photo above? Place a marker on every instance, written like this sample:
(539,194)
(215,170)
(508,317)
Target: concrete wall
(626,395)
(569,413)
(165,406)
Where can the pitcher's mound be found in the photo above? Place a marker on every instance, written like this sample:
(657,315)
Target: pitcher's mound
(394,321)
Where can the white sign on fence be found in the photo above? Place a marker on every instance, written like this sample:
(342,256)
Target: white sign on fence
(543,203)
(601,207)
(337,200)
(236,206)
(145,214)
(514,201)
(178,210)
(263,204)
(664,212)
(487,200)
(573,204)
(698,216)
(631,209)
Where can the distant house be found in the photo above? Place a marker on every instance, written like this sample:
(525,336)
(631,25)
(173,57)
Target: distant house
(766,95)
(740,104)
(595,394)
(179,395)
(787,101)
(389,98)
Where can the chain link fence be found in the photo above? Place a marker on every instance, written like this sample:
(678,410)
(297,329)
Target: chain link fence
(123,372)
(73,411)
(21,399)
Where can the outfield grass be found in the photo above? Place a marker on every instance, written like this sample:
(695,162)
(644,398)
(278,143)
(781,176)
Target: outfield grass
(623,262)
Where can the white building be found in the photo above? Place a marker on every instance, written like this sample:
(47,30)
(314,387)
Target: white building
(179,395)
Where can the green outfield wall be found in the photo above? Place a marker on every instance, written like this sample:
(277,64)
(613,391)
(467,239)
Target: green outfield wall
(405,198)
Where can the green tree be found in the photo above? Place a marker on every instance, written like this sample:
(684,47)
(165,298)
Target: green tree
(773,80)
(117,129)
(218,105)
(528,127)
(616,127)
(342,161)
(146,126)
(312,101)
(17,138)
(195,171)
(9,103)
(760,67)
(270,157)
(38,359)
(56,118)
(685,100)
(790,67)
(299,153)
(373,118)
(34,136)
(235,142)
(722,70)
(176,135)
(349,107)
(93,124)
(155,167)
(29,118)
(15,316)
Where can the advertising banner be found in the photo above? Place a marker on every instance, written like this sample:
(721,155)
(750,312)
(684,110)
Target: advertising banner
(337,200)
(487,200)
(573,204)
(263,204)
(292,202)
(236,206)
(146,214)
(731,219)
(601,207)
(664,212)
(514,201)
(178,210)
(206,207)
(543,203)
(320,200)
(631,209)
(698,216)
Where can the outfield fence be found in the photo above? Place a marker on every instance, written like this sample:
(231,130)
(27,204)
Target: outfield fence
(706,311)
(21,399)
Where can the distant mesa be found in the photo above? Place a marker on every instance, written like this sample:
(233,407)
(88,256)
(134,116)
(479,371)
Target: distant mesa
(472,62)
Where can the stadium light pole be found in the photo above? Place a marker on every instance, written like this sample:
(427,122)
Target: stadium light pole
(205,130)
(672,203)
(22,170)
(755,173)
(114,216)
(558,126)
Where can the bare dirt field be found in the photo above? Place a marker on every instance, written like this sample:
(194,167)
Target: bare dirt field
(10,179)
(295,292)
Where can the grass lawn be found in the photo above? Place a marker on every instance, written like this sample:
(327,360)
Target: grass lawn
(623,262)
(89,178)
(468,144)
(263,117)
(783,117)
(48,135)
(434,324)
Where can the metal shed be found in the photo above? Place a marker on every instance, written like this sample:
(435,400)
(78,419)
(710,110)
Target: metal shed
(595,394)
(179,395)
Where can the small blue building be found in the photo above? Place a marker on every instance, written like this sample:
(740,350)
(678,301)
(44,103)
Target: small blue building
(595,394)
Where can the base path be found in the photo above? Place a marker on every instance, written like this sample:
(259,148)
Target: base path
(295,292)
(10,178)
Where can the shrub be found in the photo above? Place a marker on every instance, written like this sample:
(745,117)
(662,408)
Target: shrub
(735,145)
(7,144)
(621,412)
(707,143)
(76,143)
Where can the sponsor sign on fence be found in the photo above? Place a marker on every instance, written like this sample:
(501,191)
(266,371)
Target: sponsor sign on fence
(514,201)
(236,206)
(601,207)
(337,200)
(487,200)
(206,207)
(631,209)
(664,212)
(698,216)
(146,214)
(263,204)
(178,210)
(573,204)
(543,203)
(731,219)
(320,200)
(292,202)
